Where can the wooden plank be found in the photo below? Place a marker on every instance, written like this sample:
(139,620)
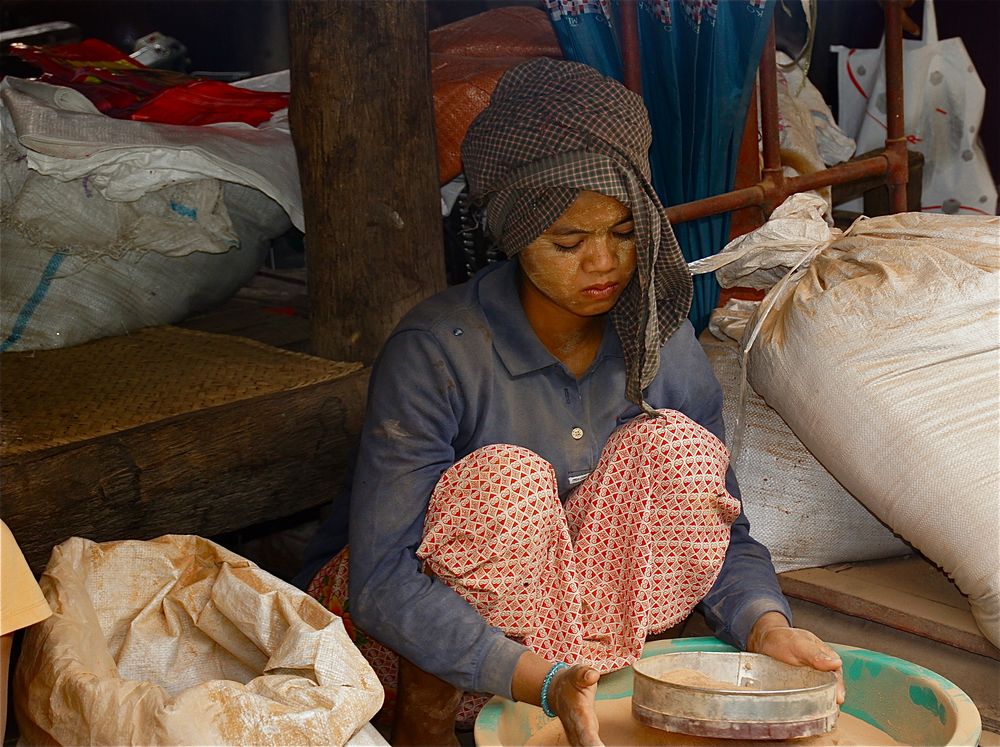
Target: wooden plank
(911,574)
(879,600)
(254,323)
(276,330)
(229,318)
(209,472)
(362,120)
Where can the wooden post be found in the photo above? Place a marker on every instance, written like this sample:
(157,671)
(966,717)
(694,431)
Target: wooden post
(362,122)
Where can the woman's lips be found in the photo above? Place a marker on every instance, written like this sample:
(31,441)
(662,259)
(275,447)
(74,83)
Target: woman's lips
(601,291)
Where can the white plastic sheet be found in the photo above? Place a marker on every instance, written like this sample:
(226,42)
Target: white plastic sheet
(944,100)
(832,142)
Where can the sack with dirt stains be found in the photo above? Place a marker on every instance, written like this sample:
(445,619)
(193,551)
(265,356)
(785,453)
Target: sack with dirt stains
(179,641)
(79,267)
(880,349)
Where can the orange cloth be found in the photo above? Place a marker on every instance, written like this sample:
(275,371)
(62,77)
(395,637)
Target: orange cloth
(467,59)
(21,600)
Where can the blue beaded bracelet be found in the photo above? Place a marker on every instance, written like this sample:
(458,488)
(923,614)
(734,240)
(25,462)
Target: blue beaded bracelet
(546,708)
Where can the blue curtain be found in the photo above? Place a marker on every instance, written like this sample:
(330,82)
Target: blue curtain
(699,59)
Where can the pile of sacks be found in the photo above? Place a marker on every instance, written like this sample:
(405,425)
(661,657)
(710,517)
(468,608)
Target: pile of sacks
(112,225)
(879,347)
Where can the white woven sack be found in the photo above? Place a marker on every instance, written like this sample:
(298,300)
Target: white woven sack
(67,137)
(943,100)
(76,267)
(884,358)
(798,132)
(796,508)
(178,641)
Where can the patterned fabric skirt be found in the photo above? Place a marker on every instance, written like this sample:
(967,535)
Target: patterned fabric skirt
(636,546)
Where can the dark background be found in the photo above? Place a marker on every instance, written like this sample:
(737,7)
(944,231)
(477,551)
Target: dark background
(252,35)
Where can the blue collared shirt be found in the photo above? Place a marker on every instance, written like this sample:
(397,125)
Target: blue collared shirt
(464,369)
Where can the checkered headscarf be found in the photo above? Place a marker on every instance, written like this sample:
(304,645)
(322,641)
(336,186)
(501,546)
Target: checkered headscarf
(552,129)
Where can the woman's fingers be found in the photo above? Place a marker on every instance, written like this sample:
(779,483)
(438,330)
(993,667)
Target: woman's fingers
(803,649)
(575,690)
(820,656)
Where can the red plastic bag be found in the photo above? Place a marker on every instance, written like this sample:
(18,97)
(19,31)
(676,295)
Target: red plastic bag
(122,88)
(203,102)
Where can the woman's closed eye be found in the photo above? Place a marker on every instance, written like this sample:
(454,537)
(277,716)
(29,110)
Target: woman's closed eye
(566,247)
(625,231)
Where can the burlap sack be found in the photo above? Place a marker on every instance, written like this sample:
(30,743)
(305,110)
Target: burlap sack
(179,641)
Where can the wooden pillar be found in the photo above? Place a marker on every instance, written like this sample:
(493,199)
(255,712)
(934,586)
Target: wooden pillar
(362,122)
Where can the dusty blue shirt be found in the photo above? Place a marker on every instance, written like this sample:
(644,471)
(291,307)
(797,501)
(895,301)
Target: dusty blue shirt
(465,369)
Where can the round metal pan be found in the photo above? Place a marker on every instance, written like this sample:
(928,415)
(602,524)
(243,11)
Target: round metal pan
(766,699)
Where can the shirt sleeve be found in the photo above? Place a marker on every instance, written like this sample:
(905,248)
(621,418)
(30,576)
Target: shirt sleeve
(747,586)
(414,410)
(21,600)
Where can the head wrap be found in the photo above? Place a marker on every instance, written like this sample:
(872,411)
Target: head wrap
(552,129)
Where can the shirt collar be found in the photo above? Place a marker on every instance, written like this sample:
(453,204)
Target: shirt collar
(513,337)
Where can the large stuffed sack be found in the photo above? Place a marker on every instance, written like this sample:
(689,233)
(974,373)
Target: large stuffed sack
(796,508)
(179,641)
(883,355)
(77,267)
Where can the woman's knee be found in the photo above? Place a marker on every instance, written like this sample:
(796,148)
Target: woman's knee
(668,431)
(505,476)
(497,504)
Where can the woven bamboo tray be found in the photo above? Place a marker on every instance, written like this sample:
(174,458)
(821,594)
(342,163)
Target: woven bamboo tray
(57,397)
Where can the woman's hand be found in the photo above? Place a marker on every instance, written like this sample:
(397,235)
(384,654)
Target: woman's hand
(571,696)
(771,635)
(572,692)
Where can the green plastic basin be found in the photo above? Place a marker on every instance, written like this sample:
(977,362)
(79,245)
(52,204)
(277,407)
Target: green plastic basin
(911,704)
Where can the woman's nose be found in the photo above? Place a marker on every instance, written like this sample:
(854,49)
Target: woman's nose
(601,255)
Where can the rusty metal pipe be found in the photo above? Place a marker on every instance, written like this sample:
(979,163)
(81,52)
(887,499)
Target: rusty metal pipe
(774,188)
(895,141)
(767,192)
(628,18)
(723,203)
(768,85)
(839,174)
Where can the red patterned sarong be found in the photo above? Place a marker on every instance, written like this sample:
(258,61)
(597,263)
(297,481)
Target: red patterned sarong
(638,544)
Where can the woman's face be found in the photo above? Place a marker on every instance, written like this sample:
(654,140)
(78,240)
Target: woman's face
(583,261)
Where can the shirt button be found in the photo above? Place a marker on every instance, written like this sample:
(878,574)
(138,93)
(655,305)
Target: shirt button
(576,433)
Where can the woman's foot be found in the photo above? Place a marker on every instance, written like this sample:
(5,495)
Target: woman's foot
(426,707)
